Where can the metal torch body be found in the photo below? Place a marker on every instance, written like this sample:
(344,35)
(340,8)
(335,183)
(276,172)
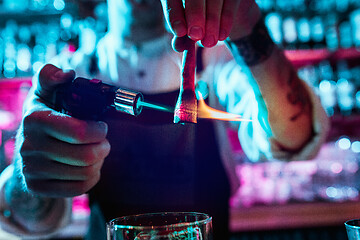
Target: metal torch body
(91,99)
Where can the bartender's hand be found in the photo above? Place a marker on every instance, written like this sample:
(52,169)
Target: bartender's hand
(61,155)
(211,21)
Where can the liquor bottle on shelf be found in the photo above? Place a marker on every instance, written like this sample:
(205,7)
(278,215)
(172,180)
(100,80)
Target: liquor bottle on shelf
(317,32)
(282,6)
(273,22)
(331,34)
(266,5)
(357,101)
(10,50)
(356,77)
(16,6)
(1,56)
(23,60)
(303,29)
(309,74)
(327,88)
(342,6)
(345,91)
(355,23)
(24,52)
(290,32)
(345,35)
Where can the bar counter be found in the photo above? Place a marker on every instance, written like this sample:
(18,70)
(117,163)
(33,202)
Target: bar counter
(313,220)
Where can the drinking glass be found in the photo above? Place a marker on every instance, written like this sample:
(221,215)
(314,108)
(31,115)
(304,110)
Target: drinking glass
(353,229)
(161,226)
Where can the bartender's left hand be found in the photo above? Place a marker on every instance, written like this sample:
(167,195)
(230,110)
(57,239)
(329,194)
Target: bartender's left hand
(210,21)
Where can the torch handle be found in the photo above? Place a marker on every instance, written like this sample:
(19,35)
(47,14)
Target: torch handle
(91,99)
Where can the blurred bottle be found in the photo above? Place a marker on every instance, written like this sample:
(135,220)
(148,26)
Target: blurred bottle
(331,34)
(299,5)
(327,93)
(355,73)
(342,6)
(345,34)
(10,49)
(38,49)
(327,88)
(290,32)
(266,5)
(309,75)
(317,32)
(66,23)
(357,101)
(24,52)
(283,6)
(273,22)
(24,34)
(15,5)
(1,55)
(304,33)
(355,25)
(23,60)
(346,96)
(52,38)
(39,5)
(59,5)
(343,70)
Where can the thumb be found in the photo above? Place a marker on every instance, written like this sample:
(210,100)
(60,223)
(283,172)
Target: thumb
(180,44)
(49,78)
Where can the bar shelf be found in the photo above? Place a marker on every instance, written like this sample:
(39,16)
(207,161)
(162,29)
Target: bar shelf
(296,215)
(303,57)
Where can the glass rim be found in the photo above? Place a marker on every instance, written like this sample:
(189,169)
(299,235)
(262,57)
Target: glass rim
(348,223)
(206,220)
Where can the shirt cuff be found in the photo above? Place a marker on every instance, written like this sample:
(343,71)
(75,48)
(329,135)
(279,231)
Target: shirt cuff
(57,218)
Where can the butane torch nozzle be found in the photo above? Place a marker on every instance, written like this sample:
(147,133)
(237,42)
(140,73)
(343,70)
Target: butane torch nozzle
(128,101)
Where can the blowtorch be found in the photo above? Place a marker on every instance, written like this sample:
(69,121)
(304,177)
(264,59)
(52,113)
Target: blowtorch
(91,99)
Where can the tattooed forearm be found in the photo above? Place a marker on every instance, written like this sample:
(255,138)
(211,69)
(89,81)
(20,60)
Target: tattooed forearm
(24,203)
(255,48)
(298,95)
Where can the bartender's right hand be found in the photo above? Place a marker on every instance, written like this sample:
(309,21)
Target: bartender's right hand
(61,156)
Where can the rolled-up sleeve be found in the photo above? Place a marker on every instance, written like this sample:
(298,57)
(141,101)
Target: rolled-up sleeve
(58,216)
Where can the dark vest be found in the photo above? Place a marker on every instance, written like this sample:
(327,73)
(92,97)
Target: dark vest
(156,166)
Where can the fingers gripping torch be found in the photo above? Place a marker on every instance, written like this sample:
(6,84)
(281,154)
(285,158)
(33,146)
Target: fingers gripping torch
(90,99)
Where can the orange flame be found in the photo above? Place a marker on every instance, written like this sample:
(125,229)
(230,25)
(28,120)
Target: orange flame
(205,111)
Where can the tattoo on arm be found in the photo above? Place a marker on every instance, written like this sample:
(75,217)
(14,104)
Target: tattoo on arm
(258,47)
(298,95)
(255,48)
(25,204)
